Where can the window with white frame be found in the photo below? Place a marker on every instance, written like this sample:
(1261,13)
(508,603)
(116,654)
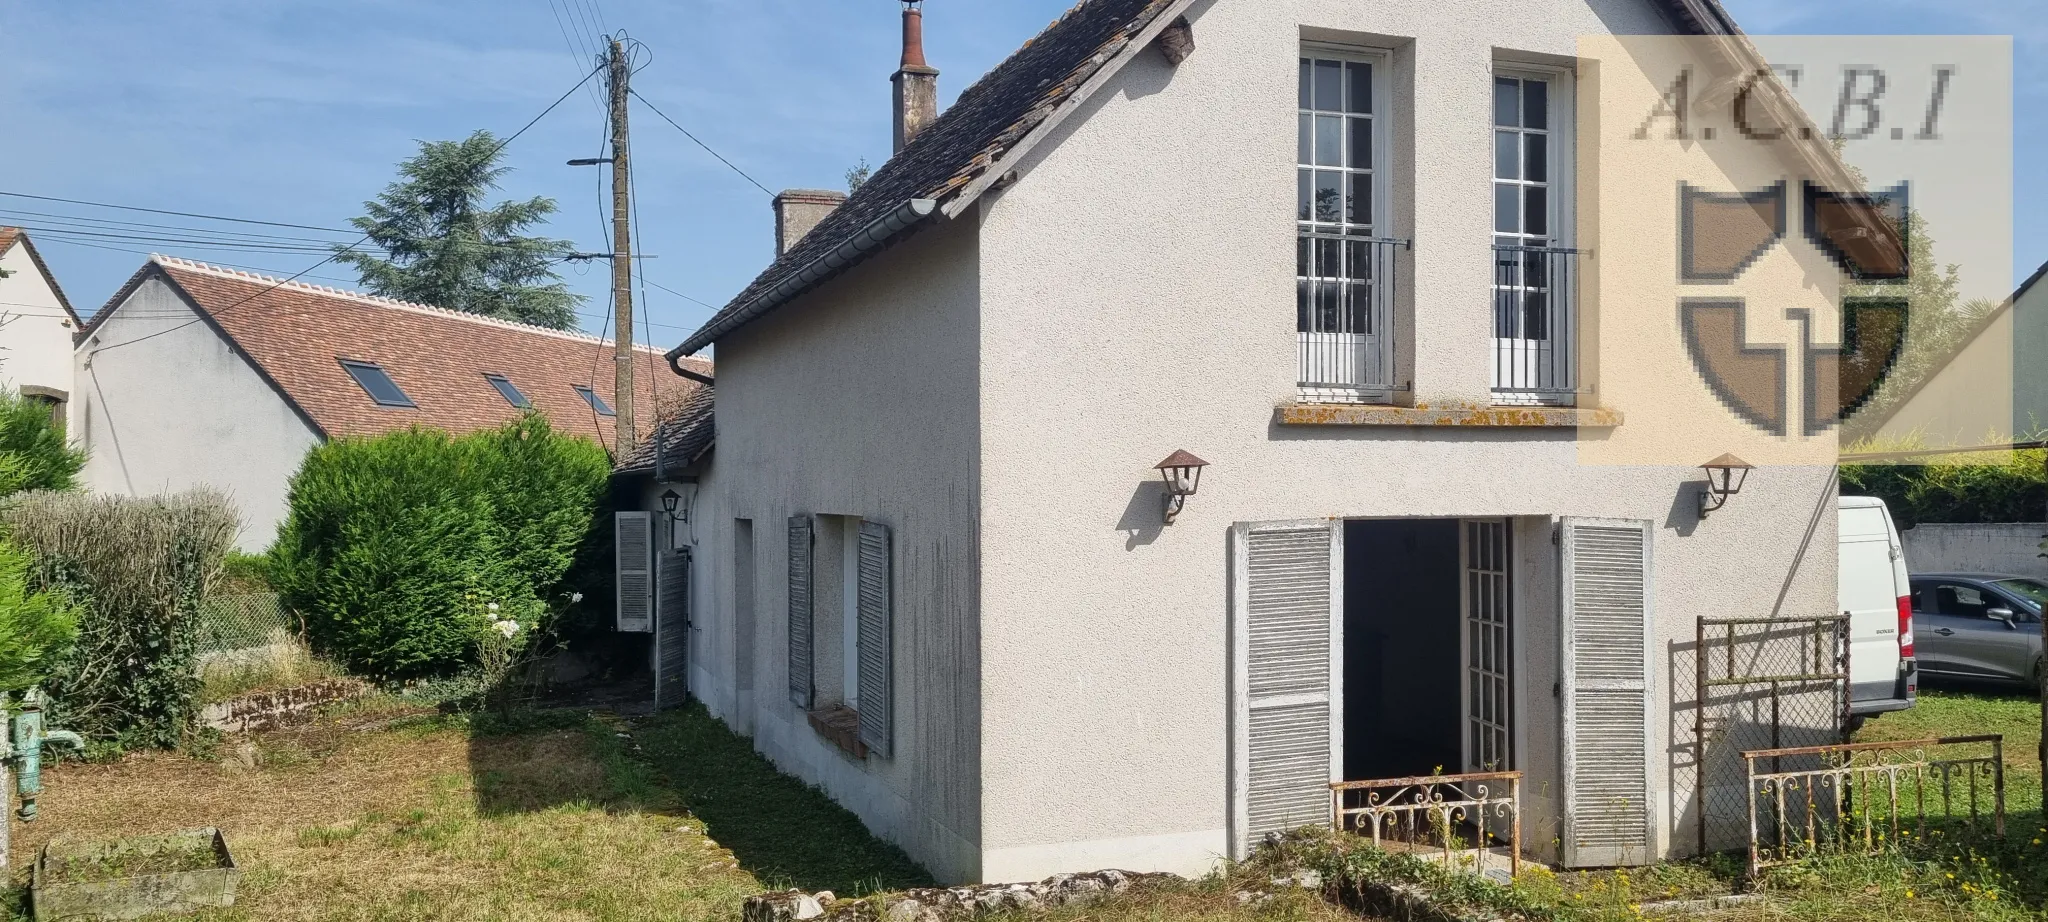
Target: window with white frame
(1534,265)
(1342,266)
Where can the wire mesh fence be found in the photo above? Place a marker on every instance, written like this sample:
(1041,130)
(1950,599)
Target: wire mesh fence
(1755,683)
(231,623)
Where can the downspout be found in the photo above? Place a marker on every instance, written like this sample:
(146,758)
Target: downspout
(675,364)
(871,238)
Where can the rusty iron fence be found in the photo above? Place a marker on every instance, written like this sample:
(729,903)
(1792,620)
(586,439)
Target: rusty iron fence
(1867,797)
(1759,683)
(1445,814)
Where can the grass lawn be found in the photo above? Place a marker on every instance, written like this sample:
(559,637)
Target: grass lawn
(1931,880)
(384,810)
(381,811)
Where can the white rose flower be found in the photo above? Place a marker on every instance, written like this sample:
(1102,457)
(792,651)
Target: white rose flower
(508,628)
(492,606)
(575,597)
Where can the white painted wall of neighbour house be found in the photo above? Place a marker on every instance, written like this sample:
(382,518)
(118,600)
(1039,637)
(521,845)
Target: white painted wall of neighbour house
(183,409)
(860,403)
(1136,298)
(35,342)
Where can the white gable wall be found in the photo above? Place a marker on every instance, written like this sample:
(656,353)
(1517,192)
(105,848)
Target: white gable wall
(35,341)
(1137,298)
(183,409)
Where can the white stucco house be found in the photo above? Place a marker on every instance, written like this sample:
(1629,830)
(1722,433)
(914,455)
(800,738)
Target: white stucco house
(926,563)
(36,325)
(194,374)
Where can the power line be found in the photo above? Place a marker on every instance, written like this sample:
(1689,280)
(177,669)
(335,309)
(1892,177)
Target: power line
(700,143)
(678,294)
(337,254)
(180,214)
(90,222)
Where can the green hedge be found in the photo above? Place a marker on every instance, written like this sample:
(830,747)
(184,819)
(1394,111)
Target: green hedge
(2011,488)
(139,569)
(392,543)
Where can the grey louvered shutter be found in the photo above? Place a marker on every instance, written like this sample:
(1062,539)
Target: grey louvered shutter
(877,707)
(672,631)
(1608,817)
(633,576)
(1288,726)
(800,610)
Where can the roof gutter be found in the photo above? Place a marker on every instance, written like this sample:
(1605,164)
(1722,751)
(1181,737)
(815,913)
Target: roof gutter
(878,234)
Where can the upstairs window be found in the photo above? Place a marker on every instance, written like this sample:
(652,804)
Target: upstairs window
(372,378)
(1343,263)
(509,392)
(596,403)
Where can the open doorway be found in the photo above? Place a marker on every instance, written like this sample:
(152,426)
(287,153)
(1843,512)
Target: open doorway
(1403,659)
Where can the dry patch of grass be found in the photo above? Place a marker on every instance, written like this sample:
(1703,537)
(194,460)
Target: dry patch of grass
(390,814)
(1208,900)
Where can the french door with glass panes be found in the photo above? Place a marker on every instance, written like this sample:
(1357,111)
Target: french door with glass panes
(1532,359)
(1343,269)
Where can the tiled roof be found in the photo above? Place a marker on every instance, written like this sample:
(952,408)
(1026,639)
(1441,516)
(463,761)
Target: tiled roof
(997,116)
(296,334)
(682,438)
(8,237)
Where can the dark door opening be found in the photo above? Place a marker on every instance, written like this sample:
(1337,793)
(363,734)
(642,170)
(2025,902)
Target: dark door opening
(1403,665)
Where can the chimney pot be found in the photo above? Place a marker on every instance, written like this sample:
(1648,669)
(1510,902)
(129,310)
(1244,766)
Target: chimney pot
(799,210)
(916,82)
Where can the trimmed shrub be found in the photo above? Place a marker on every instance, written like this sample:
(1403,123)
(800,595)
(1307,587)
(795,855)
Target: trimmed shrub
(33,453)
(36,628)
(392,542)
(1964,488)
(139,568)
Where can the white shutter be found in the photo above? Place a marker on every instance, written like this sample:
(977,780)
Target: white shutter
(877,707)
(672,631)
(1287,638)
(633,576)
(1608,816)
(800,610)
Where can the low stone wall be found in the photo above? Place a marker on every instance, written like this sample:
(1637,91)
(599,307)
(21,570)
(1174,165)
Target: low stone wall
(944,904)
(2009,547)
(266,710)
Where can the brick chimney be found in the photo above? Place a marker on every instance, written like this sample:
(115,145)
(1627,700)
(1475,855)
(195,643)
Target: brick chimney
(917,83)
(799,210)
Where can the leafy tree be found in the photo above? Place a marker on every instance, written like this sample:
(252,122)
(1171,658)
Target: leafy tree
(448,247)
(36,628)
(858,176)
(33,453)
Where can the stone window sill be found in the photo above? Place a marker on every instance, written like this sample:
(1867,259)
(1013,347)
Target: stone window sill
(841,725)
(1466,416)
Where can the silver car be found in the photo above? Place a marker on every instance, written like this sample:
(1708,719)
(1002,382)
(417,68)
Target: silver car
(1982,626)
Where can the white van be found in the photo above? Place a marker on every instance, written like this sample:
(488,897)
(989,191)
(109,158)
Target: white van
(1877,595)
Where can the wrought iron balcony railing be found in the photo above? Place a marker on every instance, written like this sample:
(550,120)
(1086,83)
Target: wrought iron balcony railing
(1345,285)
(1535,324)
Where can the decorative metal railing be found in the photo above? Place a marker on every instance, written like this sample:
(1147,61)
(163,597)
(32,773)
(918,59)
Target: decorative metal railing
(1867,797)
(1535,324)
(1344,290)
(1452,815)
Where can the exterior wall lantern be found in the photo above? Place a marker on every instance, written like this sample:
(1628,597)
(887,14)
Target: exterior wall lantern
(670,502)
(1183,474)
(1725,476)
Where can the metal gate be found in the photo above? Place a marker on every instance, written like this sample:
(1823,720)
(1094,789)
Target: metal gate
(1760,683)
(672,630)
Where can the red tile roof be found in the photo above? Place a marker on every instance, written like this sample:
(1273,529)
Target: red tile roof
(297,334)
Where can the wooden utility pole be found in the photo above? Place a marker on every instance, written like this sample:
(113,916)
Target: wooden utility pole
(625,435)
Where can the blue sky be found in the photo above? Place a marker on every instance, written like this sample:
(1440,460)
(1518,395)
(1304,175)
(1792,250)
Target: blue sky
(296,112)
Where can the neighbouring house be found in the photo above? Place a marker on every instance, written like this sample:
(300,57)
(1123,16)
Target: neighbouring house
(195,374)
(36,325)
(930,566)
(1984,392)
